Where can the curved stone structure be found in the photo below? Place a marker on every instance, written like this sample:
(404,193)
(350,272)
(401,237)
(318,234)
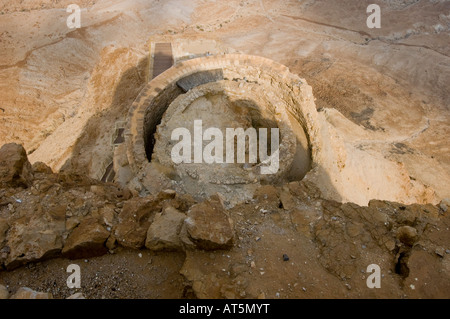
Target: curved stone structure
(243,77)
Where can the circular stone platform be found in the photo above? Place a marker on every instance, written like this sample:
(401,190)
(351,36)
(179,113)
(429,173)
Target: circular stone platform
(223,92)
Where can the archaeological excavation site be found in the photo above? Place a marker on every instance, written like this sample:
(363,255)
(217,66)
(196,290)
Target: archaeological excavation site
(224,149)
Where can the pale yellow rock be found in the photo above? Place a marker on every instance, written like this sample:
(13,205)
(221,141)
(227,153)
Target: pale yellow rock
(27,293)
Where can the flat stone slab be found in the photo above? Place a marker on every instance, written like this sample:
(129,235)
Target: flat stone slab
(191,81)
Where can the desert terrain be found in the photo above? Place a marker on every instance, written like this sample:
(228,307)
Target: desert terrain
(382,92)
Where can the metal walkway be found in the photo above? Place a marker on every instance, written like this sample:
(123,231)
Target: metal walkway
(162,58)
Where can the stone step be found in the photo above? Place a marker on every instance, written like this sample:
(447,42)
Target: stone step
(163,59)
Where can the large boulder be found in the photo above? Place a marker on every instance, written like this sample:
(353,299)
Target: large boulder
(86,240)
(138,213)
(33,238)
(134,221)
(407,235)
(15,169)
(163,232)
(209,226)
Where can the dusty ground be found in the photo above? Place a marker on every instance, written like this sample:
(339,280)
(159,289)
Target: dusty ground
(62,90)
(123,275)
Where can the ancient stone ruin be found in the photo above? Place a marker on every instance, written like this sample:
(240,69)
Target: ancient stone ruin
(223,91)
(217,214)
(249,92)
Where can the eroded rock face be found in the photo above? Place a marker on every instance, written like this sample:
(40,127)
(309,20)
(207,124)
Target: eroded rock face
(328,240)
(200,278)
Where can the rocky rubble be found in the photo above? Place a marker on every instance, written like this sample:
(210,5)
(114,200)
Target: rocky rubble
(49,213)
(46,215)
(238,252)
(407,242)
